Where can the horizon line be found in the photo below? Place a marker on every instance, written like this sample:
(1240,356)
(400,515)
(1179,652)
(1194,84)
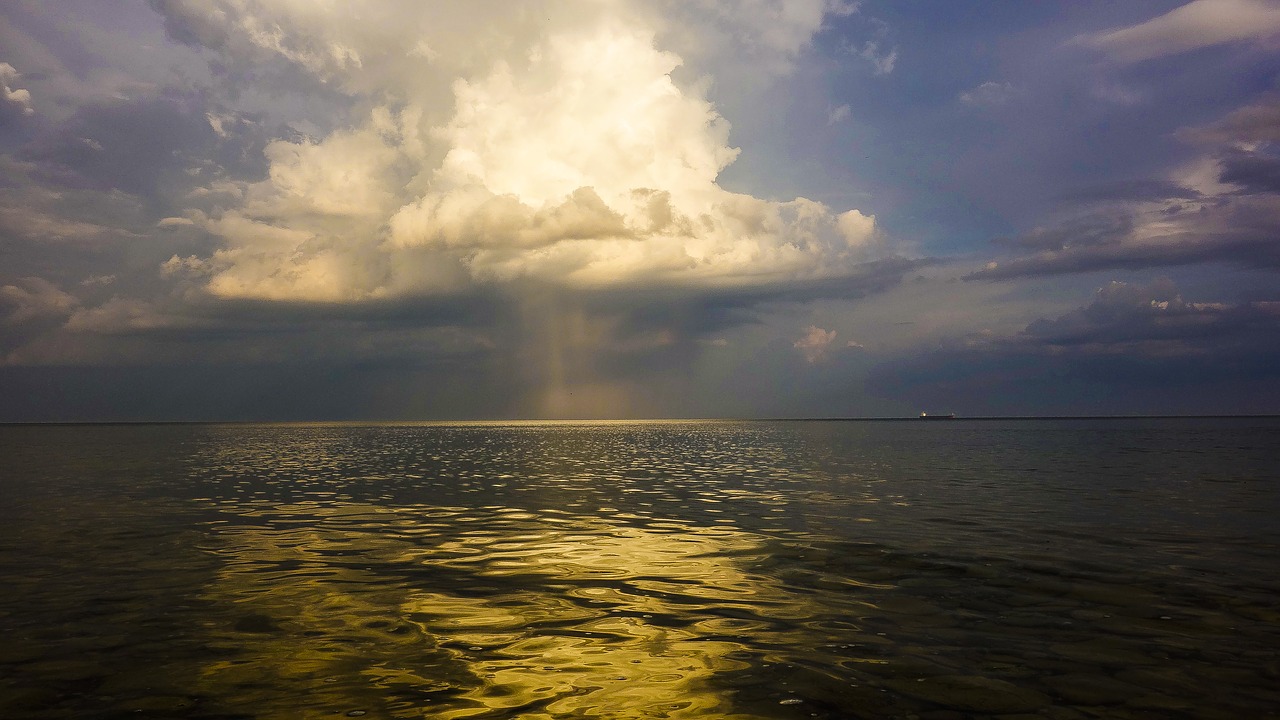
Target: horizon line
(672,420)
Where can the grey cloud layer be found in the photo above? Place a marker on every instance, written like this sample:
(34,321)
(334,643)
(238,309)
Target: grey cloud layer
(1223,206)
(1122,353)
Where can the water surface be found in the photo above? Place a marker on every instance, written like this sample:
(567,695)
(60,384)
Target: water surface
(1062,569)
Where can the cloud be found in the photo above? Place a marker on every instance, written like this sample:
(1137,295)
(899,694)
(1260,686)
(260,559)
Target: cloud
(30,308)
(1139,189)
(15,102)
(1256,172)
(879,52)
(988,94)
(1198,24)
(527,200)
(1223,206)
(1154,321)
(882,61)
(33,298)
(349,174)
(570,155)
(815,343)
(1098,229)
(745,39)
(550,192)
(20,220)
(156,147)
(1135,348)
(122,315)
(404,47)
(1255,123)
(1241,234)
(1151,319)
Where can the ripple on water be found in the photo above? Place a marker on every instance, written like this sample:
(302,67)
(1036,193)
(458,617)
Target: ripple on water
(679,571)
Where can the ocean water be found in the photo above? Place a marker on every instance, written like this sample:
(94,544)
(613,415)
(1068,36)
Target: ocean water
(1020,568)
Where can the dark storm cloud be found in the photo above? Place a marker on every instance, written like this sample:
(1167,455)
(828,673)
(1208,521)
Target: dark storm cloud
(472,307)
(295,390)
(506,344)
(976,383)
(332,327)
(702,311)
(1141,189)
(1092,230)
(1256,122)
(191,326)
(1133,317)
(1242,140)
(652,331)
(1252,247)
(1255,172)
(1134,349)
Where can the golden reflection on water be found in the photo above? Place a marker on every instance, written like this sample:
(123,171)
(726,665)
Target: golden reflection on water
(364,610)
(600,647)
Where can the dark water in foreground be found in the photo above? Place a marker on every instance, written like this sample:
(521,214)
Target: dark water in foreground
(1061,569)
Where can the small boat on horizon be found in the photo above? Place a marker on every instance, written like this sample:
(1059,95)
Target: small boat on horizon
(927,416)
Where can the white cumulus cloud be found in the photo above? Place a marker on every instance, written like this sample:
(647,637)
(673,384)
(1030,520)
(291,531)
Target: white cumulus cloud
(815,344)
(988,94)
(549,145)
(18,98)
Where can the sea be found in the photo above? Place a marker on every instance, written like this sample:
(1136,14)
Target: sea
(996,568)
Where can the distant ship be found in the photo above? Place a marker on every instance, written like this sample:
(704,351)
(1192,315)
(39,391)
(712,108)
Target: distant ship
(927,416)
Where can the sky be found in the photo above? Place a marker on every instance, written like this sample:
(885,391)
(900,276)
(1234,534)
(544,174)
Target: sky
(559,209)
